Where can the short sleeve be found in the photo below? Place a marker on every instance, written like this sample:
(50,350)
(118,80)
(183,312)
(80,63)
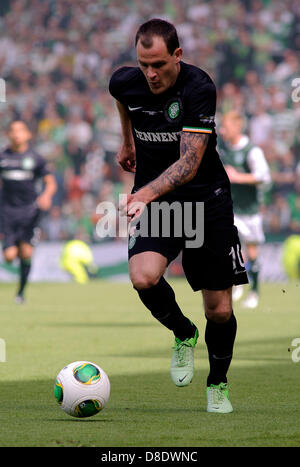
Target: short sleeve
(41,168)
(116,83)
(258,165)
(200,109)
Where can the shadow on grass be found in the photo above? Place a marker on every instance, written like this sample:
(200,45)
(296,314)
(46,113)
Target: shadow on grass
(147,408)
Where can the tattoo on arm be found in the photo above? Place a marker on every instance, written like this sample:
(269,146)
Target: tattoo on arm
(192,148)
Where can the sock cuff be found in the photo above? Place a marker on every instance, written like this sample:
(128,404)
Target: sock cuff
(161,284)
(229,321)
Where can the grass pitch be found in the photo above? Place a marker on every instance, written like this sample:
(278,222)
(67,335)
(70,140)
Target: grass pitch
(105,323)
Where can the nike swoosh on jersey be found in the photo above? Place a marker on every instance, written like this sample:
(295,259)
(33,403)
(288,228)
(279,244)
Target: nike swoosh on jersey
(132,109)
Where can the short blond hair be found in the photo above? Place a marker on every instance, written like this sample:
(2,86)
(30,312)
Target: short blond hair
(235,116)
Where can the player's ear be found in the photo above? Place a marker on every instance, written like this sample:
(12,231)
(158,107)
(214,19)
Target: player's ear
(177,54)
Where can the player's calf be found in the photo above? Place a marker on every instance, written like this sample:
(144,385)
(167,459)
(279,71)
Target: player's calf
(25,253)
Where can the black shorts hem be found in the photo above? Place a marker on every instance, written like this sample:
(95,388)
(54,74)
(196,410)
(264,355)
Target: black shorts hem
(154,249)
(16,242)
(20,229)
(239,279)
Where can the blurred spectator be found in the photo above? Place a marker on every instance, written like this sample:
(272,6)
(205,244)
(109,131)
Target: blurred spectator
(294,203)
(260,126)
(284,178)
(75,154)
(54,225)
(277,216)
(78,130)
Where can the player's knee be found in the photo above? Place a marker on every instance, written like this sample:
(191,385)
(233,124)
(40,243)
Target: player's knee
(218,305)
(25,251)
(143,280)
(10,254)
(9,258)
(218,312)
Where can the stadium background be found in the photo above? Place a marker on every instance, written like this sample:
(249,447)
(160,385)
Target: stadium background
(56,57)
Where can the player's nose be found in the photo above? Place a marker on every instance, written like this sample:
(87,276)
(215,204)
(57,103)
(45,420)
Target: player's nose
(151,73)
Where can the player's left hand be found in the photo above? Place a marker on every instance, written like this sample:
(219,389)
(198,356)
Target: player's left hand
(44,202)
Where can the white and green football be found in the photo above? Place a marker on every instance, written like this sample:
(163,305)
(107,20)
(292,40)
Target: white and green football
(82,389)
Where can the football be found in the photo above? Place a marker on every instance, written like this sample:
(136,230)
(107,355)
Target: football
(82,389)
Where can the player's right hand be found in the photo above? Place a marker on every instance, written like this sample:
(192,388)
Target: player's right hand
(44,202)
(131,207)
(126,158)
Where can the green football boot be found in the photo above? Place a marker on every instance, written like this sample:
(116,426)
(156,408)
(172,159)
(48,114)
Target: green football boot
(182,363)
(217,399)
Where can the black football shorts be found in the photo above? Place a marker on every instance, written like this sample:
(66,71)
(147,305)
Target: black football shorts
(20,225)
(215,265)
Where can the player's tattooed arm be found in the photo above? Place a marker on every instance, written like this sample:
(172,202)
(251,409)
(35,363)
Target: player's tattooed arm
(192,148)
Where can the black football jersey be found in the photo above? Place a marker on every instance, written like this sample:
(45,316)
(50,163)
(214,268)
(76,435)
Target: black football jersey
(19,173)
(157,123)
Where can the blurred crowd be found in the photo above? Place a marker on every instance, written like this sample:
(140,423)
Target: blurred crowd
(57,56)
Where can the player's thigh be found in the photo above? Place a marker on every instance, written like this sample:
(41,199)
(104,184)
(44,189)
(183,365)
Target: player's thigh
(149,257)
(10,237)
(217,304)
(29,232)
(146,268)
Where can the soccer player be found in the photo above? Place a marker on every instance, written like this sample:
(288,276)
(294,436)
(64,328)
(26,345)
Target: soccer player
(20,168)
(167,112)
(77,259)
(248,171)
(291,256)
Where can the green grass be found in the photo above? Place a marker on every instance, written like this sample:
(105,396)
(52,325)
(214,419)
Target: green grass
(106,323)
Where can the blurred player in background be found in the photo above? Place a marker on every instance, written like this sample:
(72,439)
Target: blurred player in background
(291,256)
(77,259)
(248,171)
(20,168)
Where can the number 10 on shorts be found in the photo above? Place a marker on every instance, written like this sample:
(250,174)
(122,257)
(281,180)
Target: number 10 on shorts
(238,264)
